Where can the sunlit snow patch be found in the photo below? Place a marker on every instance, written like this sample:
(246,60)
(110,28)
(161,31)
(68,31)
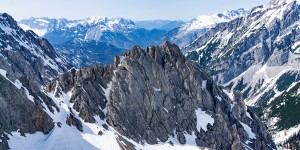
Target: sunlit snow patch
(204,82)
(249,131)
(203,119)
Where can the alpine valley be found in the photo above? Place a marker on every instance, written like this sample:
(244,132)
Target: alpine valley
(226,81)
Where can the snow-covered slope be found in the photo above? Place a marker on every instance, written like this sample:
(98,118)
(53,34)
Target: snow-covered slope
(203,21)
(257,55)
(188,32)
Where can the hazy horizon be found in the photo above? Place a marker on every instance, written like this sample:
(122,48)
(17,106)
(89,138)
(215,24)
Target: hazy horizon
(130,9)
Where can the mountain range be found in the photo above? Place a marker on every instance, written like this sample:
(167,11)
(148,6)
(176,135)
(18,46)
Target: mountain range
(147,99)
(125,33)
(233,74)
(121,33)
(159,24)
(258,56)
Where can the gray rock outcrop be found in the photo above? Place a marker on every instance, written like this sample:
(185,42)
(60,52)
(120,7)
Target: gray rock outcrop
(154,94)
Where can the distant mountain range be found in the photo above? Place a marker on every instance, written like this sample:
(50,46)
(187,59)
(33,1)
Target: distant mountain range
(125,33)
(82,53)
(119,33)
(159,24)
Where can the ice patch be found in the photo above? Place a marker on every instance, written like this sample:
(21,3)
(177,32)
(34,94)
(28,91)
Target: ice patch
(107,91)
(203,119)
(229,94)
(3,73)
(248,115)
(156,89)
(249,131)
(166,110)
(204,82)
(219,98)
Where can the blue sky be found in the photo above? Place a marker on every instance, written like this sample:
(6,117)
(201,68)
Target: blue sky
(131,9)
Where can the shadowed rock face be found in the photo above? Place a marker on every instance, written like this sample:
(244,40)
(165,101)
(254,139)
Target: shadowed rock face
(27,62)
(153,94)
(18,113)
(87,86)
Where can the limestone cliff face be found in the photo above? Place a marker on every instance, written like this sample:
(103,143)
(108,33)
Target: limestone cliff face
(154,94)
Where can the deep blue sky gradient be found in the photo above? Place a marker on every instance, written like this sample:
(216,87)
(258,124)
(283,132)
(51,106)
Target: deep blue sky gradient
(131,9)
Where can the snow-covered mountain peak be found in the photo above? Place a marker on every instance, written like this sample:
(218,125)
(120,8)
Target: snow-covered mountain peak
(232,14)
(282,2)
(270,13)
(95,19)
(7,20)
(190,31)
(205,21)
(121,23)
(41,26)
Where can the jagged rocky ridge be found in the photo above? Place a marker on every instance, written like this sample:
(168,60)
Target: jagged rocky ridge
(153,95)
(258,54)
(27,62)
(107,104)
